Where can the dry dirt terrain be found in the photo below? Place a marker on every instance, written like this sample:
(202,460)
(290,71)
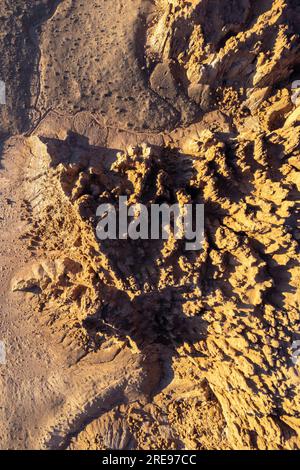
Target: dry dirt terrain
(123,344)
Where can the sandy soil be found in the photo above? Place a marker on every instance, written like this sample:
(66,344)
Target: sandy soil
(141,344)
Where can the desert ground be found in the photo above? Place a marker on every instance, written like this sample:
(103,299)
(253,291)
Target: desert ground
(141,344)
